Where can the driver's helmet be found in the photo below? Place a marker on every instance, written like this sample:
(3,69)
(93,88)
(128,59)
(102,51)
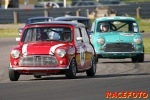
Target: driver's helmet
(67,34)
(106,25)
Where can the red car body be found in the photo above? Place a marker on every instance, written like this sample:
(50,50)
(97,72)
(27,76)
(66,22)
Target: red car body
(49,56)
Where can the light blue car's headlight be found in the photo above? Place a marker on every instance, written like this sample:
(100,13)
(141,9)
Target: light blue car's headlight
(138,40)
(101,41)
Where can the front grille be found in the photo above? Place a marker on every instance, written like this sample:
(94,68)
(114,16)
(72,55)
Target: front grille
(118,47)
(38,60)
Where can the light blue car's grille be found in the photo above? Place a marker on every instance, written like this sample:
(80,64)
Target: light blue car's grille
(118,47)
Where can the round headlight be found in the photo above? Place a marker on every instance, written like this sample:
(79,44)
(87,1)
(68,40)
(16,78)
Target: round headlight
(101,41)
(61,53)
(15,53)
(138,40)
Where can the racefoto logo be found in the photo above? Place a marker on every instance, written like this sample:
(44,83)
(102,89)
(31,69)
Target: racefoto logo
(126,95)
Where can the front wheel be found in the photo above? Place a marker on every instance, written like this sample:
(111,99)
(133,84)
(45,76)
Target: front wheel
(13,75)
(92,70)
(141,57)
(71,72)
(138,58)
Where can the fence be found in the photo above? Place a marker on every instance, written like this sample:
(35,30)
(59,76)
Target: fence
(20,15)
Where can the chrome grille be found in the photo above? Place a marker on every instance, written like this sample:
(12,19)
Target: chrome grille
(118,47)
(38,60)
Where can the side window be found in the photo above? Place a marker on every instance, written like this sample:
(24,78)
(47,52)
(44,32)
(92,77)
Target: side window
(135,27)
(28,35)
(77,35)
(84,35)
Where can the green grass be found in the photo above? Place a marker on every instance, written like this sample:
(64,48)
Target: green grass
(146,42)
(9,32)
(144,25)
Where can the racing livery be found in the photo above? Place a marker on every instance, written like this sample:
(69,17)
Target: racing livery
(118,38)
(47,48)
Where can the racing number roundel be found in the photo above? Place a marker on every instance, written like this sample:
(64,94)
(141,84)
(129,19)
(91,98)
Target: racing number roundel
(82,56)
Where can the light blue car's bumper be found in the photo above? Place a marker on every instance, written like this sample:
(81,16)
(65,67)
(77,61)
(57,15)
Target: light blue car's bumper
(117,54)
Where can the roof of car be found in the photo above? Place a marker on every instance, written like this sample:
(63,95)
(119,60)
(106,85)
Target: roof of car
(115,18)
(71,18)
(75,24)
(40,17)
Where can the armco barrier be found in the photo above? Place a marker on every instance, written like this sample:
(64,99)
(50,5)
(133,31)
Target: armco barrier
(7,16)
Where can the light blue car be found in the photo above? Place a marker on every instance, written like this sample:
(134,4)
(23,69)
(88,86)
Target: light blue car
(117,38)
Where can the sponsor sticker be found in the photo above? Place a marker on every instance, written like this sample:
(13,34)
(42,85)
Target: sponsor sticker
(82,56)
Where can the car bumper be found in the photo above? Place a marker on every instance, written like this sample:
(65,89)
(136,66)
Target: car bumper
(117,54)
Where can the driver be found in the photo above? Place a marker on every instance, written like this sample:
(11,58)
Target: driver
(104,27)
(67,34)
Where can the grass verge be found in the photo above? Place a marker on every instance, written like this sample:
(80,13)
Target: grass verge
(9,32)
(146,42)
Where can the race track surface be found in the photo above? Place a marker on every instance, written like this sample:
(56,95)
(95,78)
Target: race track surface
(113,75)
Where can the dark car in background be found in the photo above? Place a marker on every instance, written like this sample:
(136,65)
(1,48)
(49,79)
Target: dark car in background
(85,3)
(111,2)
(36,19)
(84,20)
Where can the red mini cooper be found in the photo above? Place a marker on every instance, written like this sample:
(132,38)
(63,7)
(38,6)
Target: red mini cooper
(47,48)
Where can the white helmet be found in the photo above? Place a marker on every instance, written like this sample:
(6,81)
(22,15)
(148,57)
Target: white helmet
(104,24)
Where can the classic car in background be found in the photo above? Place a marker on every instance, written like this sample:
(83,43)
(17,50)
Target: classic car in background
(84,20)
(118,38)
(36,19)
(53,48)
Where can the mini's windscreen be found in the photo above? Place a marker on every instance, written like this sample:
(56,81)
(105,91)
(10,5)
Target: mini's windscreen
(47,34)
(118,26)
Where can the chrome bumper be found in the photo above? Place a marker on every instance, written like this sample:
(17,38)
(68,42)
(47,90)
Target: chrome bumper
(119,52)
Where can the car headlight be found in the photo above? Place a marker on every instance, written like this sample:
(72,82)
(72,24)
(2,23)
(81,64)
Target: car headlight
(61,53)
(101,41)
(15,53)
(138,40)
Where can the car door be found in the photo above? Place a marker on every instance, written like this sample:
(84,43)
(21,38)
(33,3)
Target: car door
(89,51)
(80,50)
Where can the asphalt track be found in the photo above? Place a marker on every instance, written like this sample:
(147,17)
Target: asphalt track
(119,75)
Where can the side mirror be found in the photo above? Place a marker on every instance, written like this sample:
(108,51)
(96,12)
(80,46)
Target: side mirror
(17,38)
(79,38)
(142,31)
(20,31)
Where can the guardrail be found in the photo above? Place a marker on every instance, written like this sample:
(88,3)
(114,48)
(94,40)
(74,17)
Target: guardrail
(21,15)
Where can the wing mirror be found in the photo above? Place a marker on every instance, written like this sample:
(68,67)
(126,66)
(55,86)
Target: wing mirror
(142,31)
(17,38)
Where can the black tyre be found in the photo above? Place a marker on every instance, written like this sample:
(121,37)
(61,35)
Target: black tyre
(37,76)
(96,60)
(134,59)
(92,70)
(71,72)
(138,58)
(13,75)
(141,58)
